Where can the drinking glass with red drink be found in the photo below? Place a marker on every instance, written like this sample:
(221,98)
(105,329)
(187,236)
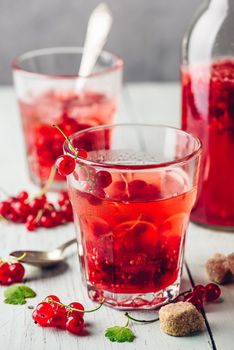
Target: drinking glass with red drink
(131,200)
(46,87)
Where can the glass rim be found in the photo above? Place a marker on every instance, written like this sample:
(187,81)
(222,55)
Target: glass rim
(17,61)
(179,161)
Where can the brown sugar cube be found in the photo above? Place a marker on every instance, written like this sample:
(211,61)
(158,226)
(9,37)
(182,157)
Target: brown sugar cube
(217,269)
(180,319)
(230,259)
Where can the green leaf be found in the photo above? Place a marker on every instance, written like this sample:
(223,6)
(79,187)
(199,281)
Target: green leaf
(11,290)
(28,292)
(119,334)
(15,300)
(17,294)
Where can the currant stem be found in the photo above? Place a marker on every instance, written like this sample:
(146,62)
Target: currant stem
(67,138)
(47,185)
(3,219)
(157,318)
(89,179)
(21,257)
(50,300)
(127,322)
(129,317)
(13,259)
(179,295)
(49,207)
(39,215)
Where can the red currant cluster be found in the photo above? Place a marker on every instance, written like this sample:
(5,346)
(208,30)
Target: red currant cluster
(38,212)
(65,163)
(11,272)
(95,184)
(96,181)
(200,294)
(49,142)
(52,313)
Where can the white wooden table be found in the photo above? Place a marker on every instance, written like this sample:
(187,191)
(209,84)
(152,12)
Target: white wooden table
(151,103)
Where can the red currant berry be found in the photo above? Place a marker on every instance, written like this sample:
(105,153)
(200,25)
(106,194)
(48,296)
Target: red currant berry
(66,211)
(59,318)
(103,179)
(119,186)
(21,208)
(99,193)
(63,198)
(196,301)
(10,200)
(212,292)
(74,325)
(199,290)
(69,125)
(4,273)
(42,200)
(46,221)
(55,306)
(56,217)
(14,217)
(136,186)
(22,196)
(93,200)
(31,224)
(65,165)
(5,208)
(35,205)
(52,297)
(16,272)
(49,206)
(77,306)
(43,313)
(82,153)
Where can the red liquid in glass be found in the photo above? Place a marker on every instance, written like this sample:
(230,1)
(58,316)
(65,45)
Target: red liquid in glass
(133,239)
(72,112)
(208,112)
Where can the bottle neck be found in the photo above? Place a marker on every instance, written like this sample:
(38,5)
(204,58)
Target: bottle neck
(223,5)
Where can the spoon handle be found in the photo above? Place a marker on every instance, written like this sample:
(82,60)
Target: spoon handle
(98,29)
(63,246)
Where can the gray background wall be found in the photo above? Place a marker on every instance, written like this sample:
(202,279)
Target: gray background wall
(146,33)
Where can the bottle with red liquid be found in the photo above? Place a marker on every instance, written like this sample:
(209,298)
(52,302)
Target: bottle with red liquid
(207,75)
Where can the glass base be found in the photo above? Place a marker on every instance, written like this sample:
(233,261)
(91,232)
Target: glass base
(214,227)
(57,186)
(146,301)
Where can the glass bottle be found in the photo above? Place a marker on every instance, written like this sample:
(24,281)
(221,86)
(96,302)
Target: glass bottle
(207,76)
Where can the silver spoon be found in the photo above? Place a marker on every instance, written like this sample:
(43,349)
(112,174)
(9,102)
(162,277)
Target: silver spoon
(42,258)
(99,26)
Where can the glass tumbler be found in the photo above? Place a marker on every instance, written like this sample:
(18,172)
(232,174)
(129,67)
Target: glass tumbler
(131,201)
(49,91)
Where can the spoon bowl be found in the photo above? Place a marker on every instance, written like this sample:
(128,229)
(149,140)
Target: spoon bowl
(43,258)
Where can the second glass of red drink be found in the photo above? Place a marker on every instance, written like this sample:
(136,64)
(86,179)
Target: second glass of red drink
(46,87)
